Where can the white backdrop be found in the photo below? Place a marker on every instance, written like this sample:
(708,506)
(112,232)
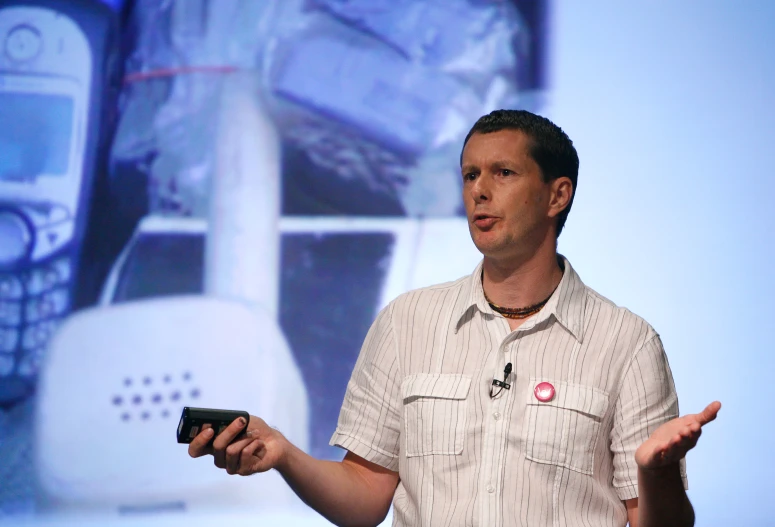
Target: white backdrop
(671,108)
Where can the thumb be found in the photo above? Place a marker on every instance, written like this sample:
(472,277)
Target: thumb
(709,413)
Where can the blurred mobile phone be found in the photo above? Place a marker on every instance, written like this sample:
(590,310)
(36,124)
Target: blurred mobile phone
(194,420)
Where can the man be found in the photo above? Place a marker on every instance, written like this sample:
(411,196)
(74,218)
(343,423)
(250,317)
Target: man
(581,427)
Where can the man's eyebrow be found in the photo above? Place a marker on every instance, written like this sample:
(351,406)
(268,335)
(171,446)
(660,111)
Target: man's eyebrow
(500,163)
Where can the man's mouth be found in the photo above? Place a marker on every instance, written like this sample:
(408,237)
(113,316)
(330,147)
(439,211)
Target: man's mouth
(484,221)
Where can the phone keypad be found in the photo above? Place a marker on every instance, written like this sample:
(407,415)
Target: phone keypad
(10,313)
(54,303)
(9,338)
(11,287)
(32,304)
(6,363)
(29,364)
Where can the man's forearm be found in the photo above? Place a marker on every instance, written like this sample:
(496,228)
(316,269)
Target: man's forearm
(337,490)
(662,500)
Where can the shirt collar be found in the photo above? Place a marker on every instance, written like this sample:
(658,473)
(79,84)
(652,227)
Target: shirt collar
(566,304)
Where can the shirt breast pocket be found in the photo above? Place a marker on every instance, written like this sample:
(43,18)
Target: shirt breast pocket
(564,430)
(435,413)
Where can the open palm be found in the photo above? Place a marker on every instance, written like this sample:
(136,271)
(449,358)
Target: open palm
(670,442)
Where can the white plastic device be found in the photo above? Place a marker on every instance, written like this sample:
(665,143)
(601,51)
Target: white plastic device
(112,390)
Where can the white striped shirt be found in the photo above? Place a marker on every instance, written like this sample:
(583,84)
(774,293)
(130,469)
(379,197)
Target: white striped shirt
(419,403)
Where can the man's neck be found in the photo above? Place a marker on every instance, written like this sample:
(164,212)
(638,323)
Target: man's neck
(517,283)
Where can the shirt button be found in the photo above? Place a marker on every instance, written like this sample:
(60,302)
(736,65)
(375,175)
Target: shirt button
(497,416)
(490,489)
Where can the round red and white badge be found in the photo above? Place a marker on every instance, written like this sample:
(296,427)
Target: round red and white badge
(544,392)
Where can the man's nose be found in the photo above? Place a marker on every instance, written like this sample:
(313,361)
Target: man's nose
(480,190)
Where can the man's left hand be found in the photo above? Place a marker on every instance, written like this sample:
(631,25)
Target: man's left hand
(670,442)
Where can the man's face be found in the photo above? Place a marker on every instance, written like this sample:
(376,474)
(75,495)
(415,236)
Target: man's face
(509,206)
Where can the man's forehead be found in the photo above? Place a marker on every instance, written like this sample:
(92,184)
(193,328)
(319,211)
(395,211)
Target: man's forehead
(494,147)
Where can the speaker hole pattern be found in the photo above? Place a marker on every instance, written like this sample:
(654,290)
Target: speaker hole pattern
(149,397)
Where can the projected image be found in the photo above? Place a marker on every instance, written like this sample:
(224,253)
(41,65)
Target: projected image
(370,104)
(279,171)
(330,280)
(49,126)
(380,94)
(39,143)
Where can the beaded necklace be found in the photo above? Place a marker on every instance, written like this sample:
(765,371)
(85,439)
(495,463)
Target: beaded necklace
(519,312)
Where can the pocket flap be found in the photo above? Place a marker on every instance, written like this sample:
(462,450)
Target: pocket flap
(584,399)
(438,385)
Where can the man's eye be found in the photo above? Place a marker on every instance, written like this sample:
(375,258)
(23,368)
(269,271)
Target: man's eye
(506,172)
(469,177)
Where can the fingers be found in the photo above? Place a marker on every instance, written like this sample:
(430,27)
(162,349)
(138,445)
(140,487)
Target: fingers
(238,455)
(709,413)
(680,444)
(253,449)
(244,457)
(234,454)
(229,434)
(200,445)
(250,457)
(223,440)
(694,427)
(671,441)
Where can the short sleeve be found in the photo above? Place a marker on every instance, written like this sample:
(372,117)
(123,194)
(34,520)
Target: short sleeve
(647,399)
(369,421)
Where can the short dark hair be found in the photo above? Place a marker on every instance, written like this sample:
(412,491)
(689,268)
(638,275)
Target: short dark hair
(550,147)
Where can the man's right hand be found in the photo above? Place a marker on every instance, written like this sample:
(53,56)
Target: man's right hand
(353,491)
(262,448)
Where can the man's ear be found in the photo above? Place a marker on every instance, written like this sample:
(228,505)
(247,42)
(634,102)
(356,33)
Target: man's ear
(561,195)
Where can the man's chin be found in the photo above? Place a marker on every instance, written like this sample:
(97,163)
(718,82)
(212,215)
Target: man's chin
(489,248)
